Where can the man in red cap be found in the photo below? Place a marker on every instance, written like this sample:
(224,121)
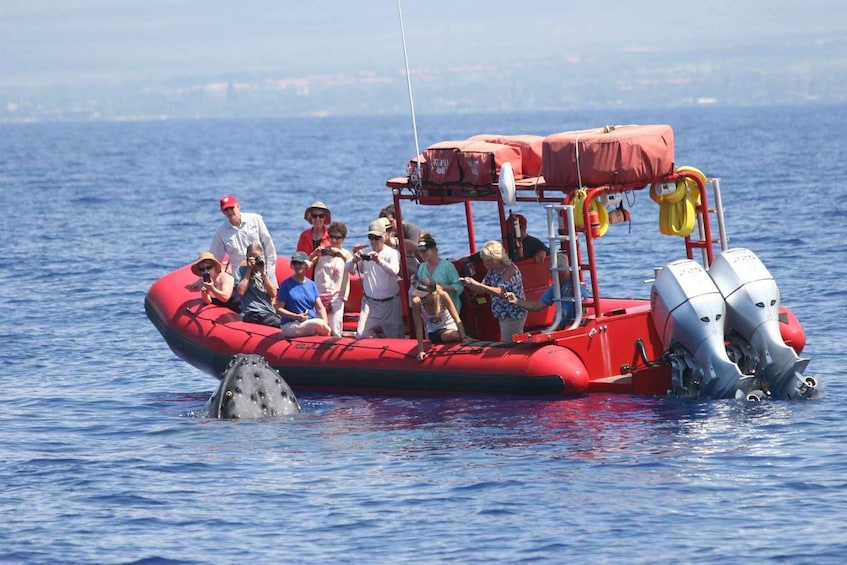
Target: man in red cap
(240,230)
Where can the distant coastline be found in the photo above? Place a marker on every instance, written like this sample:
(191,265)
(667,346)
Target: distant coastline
(766,75)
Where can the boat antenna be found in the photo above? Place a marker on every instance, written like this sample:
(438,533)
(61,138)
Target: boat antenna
(418,175)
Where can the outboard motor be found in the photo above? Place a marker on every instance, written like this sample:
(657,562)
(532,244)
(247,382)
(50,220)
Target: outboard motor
(688,313)
(752,302)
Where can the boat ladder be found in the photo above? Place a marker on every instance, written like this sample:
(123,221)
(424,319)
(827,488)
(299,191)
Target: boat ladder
(561,229)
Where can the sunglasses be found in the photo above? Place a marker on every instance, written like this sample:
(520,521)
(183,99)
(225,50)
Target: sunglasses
(374,237)
(336,236)
(318,215)
(204,268)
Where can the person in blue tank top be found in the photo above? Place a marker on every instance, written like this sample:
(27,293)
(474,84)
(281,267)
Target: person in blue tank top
(298,302)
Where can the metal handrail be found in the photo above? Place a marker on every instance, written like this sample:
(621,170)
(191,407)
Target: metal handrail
(555,212)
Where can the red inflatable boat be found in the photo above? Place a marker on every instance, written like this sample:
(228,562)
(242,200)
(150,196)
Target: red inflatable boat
(710,329)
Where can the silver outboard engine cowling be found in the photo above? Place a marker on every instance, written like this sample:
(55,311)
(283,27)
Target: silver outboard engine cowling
(752,305)
(689,312)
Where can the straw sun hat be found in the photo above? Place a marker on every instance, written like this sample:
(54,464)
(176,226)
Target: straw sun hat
(317,206)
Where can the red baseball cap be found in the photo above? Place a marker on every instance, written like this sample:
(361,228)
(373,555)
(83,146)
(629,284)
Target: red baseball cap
(228,201)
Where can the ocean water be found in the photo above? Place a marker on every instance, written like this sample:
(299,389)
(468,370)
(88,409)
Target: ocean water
(102,459)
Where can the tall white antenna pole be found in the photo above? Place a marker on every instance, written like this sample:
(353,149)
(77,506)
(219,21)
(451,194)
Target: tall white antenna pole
(411,100)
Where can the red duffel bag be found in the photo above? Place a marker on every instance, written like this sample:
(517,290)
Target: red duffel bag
(611,155)
(480,162)
(442,161)
(530,147)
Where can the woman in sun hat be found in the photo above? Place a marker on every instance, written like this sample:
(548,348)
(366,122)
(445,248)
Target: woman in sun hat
(216,284)
(319,216)
(434,312)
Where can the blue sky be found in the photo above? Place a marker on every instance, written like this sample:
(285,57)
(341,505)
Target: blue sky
(105,41)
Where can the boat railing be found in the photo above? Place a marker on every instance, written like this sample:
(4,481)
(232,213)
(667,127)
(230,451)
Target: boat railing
(560,227)
(705,241)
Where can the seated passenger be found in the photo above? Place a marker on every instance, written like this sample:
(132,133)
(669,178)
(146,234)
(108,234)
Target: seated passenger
(298,302)
(547,299)
(434,312)
(532,246)
(216,285)
(502,276)
(256,289)
(441,271)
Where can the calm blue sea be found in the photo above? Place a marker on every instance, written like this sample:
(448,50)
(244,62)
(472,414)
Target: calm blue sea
(102,460)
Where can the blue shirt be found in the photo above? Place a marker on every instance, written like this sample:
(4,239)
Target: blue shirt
(567,292)
(298,297)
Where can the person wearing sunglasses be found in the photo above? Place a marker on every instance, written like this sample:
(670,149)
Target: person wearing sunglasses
(379,267)
(319,217)
(441,271)
(216,285)
(238,231)
(435,316)
(331,276)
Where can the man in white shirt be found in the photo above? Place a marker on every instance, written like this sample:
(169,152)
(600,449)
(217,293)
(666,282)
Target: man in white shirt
(379,266)
(240,230)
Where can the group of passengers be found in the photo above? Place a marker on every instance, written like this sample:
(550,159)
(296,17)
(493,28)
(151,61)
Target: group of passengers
(312,300)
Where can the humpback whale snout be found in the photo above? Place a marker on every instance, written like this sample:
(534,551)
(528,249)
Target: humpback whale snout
(251,389)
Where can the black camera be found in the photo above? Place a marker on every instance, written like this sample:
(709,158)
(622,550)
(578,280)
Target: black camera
(207,277)
(365,256)
(260,262)
(327,251)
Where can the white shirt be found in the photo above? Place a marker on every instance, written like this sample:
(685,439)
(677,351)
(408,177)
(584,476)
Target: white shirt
(330,273)
(379,280)
(233,241)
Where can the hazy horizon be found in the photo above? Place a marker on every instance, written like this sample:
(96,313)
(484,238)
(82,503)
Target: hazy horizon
(91,42)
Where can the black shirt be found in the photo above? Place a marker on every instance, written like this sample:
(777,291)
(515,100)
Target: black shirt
(532,245)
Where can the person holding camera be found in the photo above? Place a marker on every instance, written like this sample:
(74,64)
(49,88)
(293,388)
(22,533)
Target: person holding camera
(379,267)
(216,286)
(502,277)
(298,302)
(256,289)
(435,316)
(331,275)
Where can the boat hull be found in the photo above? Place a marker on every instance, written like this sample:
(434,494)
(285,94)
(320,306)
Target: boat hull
(208,336)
